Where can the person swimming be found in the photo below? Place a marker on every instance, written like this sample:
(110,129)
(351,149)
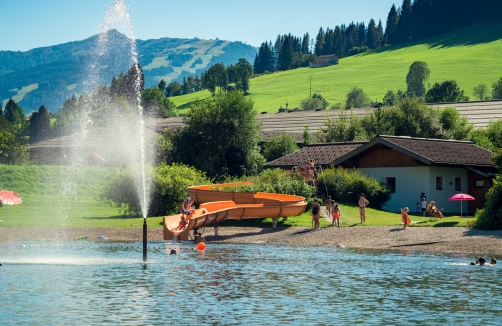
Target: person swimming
(173,251)
(493,261)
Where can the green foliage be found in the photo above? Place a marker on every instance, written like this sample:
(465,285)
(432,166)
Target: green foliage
(311,104)
(490,217)
(377,123)
(496,89)
(173,89)
(306,136)
(12,148)
(322,99)
(391,98)
(279,146)
(345,127)
(14,114)
(170,185)
(481,91)
(356,98)
(447,91)
(220,137)
(40,125)
(215,76)
(417,75)
(156,104)
(274,181)
(243,72)
(454,126)
(494,132)
(345,185)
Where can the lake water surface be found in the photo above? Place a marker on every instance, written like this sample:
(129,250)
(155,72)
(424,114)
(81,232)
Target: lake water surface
(45,283)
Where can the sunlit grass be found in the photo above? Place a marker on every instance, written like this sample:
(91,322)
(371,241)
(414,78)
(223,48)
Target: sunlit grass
(471,59)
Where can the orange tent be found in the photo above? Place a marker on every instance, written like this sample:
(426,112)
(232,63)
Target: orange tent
(10,198)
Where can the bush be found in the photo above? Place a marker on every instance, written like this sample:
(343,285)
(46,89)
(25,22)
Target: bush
(170,183)
(279,146)
(345,186)
(356,98)
(490,217)
(311,104)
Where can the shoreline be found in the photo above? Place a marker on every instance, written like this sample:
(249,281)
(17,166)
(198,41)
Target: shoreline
(429,239)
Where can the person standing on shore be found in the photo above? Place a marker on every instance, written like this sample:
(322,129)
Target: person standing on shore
(362,202)
(335,215)
(423,203)
(329,203)
(316,212)
(405,218)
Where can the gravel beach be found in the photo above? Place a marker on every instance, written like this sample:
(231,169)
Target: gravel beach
(433,239)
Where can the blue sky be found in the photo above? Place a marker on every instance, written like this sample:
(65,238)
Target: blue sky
(27,24)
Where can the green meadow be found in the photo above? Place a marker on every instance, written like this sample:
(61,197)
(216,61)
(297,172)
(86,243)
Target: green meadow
(50,201)
(471,56)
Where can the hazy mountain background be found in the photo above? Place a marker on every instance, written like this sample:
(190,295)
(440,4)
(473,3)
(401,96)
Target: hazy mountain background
(50,75)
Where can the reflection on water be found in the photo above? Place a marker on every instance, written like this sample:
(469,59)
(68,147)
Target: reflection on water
(70,283)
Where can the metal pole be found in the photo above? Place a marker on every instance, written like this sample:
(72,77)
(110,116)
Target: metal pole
(145,242)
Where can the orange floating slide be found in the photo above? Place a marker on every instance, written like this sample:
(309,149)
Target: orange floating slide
(218,206)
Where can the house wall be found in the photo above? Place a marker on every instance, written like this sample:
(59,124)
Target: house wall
(386,157)
(479,193)
(412,181)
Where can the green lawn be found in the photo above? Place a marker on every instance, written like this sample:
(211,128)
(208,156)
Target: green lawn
(47,204)
(471,56)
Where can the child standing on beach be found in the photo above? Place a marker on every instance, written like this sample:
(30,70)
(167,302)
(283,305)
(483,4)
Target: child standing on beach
(336,215)
(404,217)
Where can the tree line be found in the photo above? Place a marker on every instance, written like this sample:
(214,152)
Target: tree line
(412,21)
(216,78)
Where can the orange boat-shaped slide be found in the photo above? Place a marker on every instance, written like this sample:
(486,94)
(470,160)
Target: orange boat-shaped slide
(218,206)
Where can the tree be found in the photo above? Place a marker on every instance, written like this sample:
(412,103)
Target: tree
(391,26)
(417,75)
(306,136)
(356,98)
(311,104)
(243,73)
(40,125)
(322,99)
(391,98)
(1,109)
(490,217)
(455,126)
(155,104)
(14,114)
(481,91)
(173,89)
(496,89)
(162,85)
(220,137)
(447,91)
(404,24)
(345,127)
(279,146)
(12,148)
(215,76)
(377,124)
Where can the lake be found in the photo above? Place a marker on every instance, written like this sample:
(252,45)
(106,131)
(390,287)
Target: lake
(48,283)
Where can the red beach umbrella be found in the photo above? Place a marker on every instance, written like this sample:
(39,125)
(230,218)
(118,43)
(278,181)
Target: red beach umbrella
(10,197)
(461,197)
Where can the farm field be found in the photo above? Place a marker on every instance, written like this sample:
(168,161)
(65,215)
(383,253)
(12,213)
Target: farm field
(471,56)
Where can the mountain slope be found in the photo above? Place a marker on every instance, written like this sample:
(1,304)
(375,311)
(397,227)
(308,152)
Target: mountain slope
(470,56)
(52,74)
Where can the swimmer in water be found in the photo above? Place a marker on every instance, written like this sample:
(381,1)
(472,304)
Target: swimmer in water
(173,252)
(493,262)
(482,261)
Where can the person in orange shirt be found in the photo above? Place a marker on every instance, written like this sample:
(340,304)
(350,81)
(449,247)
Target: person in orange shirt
(404,217)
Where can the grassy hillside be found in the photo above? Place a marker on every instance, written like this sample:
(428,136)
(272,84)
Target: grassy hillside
(471,56)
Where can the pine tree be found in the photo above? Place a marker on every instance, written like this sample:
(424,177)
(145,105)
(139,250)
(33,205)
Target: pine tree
(371,35)
(319,44)
(305,44)
(391,26)
(404,24)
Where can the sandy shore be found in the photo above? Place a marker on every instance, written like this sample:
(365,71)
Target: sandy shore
(435,239)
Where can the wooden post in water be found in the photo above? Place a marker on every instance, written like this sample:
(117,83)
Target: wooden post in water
(145,242)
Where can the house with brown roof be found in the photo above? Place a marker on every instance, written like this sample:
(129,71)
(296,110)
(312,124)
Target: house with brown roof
(438,168)
(323,154)
(325,60)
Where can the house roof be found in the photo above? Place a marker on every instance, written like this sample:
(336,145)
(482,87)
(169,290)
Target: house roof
(322,154)
(430,151)
(327,56)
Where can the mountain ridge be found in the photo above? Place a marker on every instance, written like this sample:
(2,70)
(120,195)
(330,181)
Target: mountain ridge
(49,75)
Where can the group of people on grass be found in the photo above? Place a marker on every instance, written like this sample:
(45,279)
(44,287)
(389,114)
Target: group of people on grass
(333,210)
(431,207)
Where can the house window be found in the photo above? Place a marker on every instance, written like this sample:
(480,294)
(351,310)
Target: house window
(458,184)
(390,183)
(479,183)
(439,183)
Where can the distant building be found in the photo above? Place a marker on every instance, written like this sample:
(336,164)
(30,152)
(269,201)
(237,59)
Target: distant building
(325,60)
